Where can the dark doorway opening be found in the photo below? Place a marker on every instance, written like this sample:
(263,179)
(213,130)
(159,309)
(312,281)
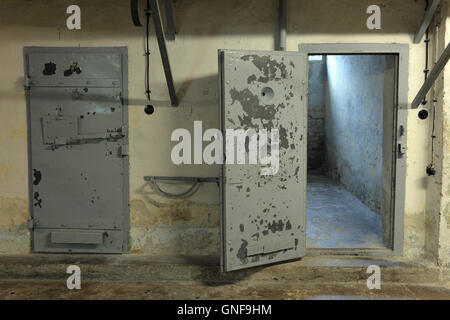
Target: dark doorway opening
(351,103)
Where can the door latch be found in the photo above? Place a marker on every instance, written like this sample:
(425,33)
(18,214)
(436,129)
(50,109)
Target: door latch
(401,150)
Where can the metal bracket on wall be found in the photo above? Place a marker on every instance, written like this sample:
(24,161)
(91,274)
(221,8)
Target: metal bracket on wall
(282,25)
(159,30)
(194,182)
(426,20)
(438,67)
(180,179)
(170,32)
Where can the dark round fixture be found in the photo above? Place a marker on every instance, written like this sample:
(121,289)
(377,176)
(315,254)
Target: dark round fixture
(149,109)
(423,114)
(431,171)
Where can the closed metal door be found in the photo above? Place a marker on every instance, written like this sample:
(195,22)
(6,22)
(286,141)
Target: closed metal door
(78,149)
(263,216)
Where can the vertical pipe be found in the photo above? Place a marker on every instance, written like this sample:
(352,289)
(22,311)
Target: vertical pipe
(282,25)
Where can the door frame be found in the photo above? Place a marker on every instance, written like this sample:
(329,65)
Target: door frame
(395,223)
(123,51)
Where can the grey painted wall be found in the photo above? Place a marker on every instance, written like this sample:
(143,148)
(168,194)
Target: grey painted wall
(354,123)
(316,116)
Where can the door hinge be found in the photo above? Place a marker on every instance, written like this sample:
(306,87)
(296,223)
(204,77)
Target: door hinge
(30,224)
(26,83)
(124,150)
(118,98)
(124,131)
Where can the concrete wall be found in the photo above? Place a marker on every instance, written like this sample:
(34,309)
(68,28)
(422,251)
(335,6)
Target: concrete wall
(444,232)
(437,216)
(354,123)
(316,116)
(187,227)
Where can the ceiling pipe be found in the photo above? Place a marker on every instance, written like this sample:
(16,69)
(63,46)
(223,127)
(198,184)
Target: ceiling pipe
(282,25)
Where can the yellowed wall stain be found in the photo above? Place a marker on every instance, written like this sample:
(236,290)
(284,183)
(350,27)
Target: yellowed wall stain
(172,215)
(14,235)
(13,212)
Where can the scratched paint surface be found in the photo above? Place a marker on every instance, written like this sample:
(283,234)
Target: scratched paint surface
(264,216)
(77,131)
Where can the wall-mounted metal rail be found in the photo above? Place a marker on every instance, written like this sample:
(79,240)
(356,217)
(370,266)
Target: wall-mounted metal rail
(426,20)
(163,51)
(282,25)
(194,183)
(180,179)
(439,66)
(153,9)
(170,23)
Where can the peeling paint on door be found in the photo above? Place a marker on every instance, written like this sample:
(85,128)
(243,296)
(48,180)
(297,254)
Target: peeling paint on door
(264,90)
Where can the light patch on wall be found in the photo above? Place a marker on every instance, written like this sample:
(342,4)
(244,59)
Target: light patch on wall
(315,58)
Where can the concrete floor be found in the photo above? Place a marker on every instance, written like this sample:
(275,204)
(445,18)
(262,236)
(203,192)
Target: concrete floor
(337,219)
(146,277)
(194,290)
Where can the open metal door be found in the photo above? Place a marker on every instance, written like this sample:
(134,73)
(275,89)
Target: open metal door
(263,216)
